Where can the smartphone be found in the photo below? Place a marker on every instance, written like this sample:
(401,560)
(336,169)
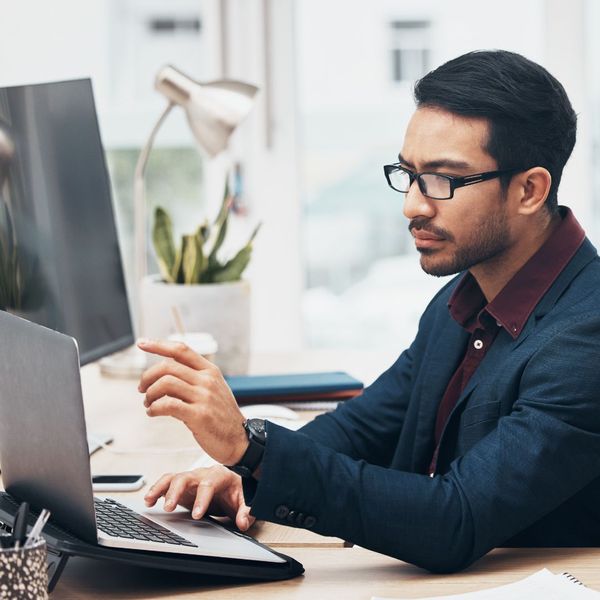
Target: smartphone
(117,483)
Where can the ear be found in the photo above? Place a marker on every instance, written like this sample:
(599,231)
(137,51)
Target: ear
(533,187)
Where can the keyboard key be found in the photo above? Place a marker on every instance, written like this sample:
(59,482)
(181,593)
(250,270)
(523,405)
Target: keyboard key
(120,521)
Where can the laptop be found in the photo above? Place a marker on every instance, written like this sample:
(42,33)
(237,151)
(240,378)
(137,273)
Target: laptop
(45,457)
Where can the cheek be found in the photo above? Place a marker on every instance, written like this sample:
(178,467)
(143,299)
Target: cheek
(469,213)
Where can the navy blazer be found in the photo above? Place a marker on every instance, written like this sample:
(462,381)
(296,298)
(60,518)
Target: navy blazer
(519,460)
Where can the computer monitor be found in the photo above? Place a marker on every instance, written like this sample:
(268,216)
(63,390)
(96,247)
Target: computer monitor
(60,263)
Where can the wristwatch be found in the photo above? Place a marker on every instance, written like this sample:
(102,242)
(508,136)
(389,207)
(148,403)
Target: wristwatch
(257,436)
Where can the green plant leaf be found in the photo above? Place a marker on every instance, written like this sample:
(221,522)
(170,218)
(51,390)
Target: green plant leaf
(204,231)
(219,229)
(193,259)
(192,262)
(232,270)
(177,272)
(202,263)
(164,246)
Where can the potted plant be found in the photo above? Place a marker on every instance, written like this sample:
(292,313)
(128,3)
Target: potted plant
(205,289)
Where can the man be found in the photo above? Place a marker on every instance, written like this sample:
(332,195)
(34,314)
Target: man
(486,431)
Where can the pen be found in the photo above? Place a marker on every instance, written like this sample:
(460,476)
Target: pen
(20,525)
(36,530)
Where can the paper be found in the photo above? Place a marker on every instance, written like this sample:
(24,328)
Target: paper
(543,585)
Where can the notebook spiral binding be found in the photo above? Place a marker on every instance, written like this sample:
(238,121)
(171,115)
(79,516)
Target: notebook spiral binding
(572,578)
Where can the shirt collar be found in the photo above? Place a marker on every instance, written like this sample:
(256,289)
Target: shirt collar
(514,304)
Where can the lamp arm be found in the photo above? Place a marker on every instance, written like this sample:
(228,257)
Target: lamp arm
(139,217)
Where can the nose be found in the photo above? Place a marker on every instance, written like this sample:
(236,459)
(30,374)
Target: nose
(416,204)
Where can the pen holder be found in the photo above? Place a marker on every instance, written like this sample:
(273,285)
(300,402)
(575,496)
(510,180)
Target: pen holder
(23,571)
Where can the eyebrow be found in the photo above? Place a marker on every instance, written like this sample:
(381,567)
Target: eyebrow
(437,164)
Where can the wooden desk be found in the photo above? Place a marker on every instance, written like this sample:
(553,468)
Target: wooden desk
(349,573)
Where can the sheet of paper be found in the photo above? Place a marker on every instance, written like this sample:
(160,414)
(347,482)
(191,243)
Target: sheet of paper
(542,585)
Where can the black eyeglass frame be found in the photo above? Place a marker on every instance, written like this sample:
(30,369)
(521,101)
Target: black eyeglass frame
(455,182)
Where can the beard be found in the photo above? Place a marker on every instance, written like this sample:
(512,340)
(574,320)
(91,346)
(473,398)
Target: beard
(489,239)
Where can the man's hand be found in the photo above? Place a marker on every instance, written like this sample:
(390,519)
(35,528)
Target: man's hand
(192,389)
(216,491)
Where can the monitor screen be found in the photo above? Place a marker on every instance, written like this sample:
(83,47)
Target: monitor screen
(60,263)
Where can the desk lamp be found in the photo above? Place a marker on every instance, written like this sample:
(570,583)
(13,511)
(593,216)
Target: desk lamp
(213,111)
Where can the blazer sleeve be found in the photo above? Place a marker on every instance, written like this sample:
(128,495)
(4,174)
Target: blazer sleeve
(541,454)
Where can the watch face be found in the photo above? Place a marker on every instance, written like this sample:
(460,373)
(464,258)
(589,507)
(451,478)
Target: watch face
(257,425)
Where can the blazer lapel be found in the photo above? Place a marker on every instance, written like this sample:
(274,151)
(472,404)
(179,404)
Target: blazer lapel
(440,363)
(504,342)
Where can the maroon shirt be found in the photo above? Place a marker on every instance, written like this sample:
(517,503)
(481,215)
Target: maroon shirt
(510,309)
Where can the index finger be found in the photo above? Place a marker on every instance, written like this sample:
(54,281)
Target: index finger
(158,489)
(178,351)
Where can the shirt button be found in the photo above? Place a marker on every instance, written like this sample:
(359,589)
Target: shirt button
(478,344)
(291,517)
(282,511)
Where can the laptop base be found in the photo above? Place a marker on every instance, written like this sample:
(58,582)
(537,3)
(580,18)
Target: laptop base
(62,545)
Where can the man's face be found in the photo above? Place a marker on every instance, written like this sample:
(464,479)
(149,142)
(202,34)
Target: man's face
(470,228)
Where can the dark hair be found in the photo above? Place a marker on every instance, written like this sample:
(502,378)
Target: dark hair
(532,122)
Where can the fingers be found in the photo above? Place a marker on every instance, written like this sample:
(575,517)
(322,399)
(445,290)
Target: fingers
(167,367)
(243,519)
(211,483)
(169,385)
(216,490)
(158,489)
(204,496)
(175,495)
(177,489)
(178,351)
(170,407)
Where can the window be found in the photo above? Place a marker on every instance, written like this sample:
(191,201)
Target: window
(410,50)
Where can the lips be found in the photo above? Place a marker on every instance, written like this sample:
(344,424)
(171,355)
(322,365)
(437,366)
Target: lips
(425,239)
(420,234)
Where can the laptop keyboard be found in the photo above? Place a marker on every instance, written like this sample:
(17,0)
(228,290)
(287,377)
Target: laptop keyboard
(118,520)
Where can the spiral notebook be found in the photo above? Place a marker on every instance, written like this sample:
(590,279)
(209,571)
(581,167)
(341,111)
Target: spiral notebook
(543,585)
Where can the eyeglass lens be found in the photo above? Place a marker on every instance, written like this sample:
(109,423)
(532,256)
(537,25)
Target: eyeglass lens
(434,186)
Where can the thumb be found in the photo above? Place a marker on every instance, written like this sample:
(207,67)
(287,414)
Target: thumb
(243,519)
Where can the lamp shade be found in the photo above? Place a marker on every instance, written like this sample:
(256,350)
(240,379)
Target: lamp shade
(213,109)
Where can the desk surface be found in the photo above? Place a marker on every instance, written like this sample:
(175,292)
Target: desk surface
(349,573)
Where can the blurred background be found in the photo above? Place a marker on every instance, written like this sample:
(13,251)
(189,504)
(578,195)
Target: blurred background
(333,265)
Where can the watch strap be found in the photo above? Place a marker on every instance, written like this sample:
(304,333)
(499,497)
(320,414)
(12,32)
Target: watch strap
(253,455)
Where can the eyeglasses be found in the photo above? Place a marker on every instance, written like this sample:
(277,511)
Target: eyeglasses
(435,185)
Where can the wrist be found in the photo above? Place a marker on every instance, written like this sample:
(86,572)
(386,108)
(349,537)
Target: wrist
(250,461)
(241,449)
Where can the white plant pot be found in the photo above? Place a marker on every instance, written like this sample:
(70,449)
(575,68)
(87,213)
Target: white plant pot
(221,309)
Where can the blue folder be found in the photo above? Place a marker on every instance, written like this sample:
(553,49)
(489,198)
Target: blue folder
(334,385)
